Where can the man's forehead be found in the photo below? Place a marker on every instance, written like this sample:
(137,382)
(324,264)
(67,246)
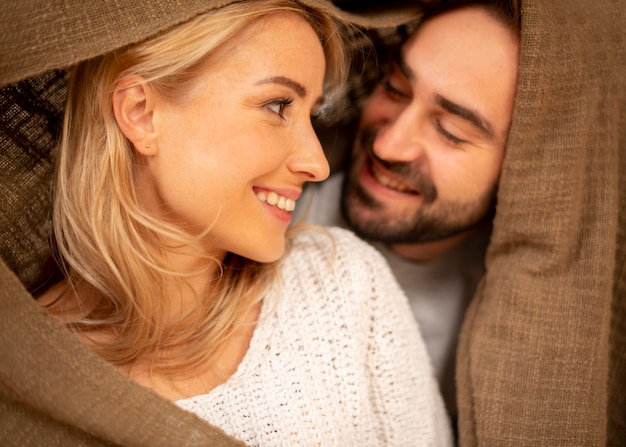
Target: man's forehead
(466,60)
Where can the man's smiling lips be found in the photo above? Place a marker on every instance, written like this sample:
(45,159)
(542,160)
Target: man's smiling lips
(381,175)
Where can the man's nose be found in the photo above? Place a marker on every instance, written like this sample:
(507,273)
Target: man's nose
(399,139)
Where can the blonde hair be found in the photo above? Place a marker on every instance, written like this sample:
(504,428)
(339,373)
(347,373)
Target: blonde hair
(103,234)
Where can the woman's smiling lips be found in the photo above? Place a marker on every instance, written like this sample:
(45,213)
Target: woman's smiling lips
(272,198)
(283,200)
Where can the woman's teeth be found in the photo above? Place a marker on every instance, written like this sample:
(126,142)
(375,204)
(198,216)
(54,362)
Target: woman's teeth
(271,198)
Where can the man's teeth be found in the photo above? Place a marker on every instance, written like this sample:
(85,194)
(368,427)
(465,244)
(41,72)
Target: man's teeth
(271,198)
(390,183)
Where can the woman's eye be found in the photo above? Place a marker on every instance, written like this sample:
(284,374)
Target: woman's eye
(278,106)
(447,135)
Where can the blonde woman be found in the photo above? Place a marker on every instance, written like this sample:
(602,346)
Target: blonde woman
(181,161)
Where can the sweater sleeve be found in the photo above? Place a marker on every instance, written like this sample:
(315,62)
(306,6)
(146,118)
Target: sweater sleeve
(403,389)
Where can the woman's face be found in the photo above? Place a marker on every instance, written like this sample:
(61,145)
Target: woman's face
(235,157)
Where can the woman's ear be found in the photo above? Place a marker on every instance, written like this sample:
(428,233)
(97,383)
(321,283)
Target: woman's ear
(133,109)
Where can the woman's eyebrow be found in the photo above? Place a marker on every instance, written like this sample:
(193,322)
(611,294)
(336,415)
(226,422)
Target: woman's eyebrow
(298,88)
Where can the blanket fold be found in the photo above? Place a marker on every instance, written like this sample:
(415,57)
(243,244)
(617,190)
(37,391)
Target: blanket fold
(542,353)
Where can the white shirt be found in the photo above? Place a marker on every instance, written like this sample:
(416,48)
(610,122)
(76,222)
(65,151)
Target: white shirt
(335,360)
(438,290)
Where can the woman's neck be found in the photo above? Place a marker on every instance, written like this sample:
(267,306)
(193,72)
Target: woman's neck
(213,372)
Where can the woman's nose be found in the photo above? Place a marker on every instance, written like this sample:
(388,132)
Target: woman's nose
(309,159)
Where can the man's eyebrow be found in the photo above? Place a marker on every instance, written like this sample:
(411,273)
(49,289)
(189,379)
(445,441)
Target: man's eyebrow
(282,80)
(451,107)
(404,68)
(467,114)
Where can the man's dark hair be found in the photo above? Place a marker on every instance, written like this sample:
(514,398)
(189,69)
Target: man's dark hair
(506,11)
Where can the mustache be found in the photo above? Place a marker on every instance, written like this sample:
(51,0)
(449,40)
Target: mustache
(410,173)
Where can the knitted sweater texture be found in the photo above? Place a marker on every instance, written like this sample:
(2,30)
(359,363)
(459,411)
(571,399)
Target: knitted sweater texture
(335,360)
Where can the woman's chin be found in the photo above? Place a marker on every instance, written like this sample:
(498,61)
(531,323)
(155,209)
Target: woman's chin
(269,255)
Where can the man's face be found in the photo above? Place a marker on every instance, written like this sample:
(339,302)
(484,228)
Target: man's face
(431,140)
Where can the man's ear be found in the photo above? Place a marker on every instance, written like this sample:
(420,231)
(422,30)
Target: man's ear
(133,109)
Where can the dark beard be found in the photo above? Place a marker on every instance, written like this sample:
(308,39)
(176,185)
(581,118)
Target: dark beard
(432,221)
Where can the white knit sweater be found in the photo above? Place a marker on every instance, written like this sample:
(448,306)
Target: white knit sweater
(336,359)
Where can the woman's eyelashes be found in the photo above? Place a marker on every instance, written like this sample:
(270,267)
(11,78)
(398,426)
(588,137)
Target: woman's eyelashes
(278,106)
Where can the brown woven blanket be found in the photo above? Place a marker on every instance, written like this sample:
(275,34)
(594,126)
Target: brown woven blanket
(542,360)
(542,357)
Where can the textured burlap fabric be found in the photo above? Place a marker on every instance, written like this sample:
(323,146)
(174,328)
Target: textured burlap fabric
(38,36)
(543,347)
(55,392)
(542,357)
